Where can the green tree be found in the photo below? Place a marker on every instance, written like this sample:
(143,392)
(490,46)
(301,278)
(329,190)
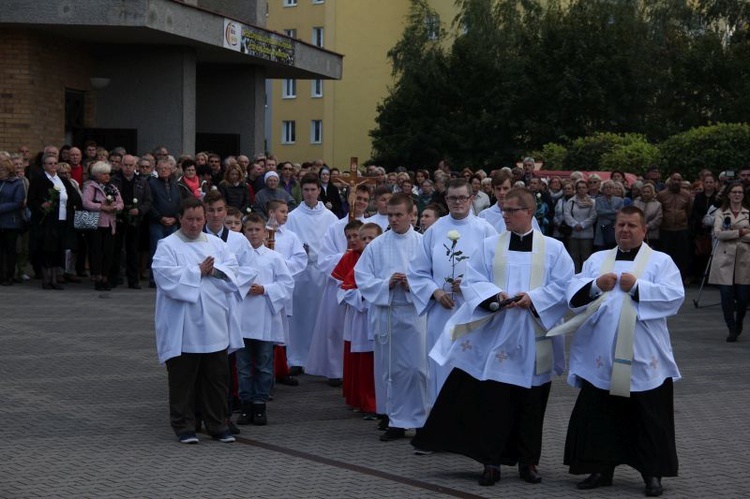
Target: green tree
(717,147)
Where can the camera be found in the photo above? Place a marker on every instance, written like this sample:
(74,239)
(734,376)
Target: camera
(729,174)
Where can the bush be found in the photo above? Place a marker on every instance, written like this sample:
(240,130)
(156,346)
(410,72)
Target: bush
(635,157)
(585,153)
(725,146)
(553,155)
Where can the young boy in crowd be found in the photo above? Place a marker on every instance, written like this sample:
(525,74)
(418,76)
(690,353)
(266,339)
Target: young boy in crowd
(359,382)
(261,323)
(233,220)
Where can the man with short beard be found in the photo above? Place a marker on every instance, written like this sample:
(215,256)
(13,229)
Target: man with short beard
(676,206)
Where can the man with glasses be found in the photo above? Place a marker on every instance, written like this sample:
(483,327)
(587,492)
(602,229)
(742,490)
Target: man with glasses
(436,277)
(492,405)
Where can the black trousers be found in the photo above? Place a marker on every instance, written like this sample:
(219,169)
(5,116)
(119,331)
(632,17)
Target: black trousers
(677,244)
(8,241)
(101,245)
(203,377)
(126,239)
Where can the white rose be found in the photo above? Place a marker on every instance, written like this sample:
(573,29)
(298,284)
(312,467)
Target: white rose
(58,188)
(135,200)
(454,235)
(214,188)
(109,198)
(248,210)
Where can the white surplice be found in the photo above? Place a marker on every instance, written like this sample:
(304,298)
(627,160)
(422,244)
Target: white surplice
(428,271)
(399,333)
(309,224)
(377,218)
(290,247)
(262,314)
(504,349)
(192,312)
(326,356)
(660,295)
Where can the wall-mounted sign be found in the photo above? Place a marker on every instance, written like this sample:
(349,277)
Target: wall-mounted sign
(258,43)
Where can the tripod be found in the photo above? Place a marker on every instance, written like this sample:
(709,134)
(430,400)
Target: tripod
(705,277)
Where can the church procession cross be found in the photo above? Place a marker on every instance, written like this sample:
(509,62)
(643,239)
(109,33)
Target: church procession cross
(353,179)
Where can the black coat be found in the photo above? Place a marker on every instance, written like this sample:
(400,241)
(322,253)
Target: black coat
(45,233)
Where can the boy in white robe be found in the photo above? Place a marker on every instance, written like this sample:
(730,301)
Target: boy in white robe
(492,405)
(262,311)
(399,332)
(196,278)
(382,195)
(327,346)
(290,247)
(501,183)
(308,221)
(624,413)
(435,276)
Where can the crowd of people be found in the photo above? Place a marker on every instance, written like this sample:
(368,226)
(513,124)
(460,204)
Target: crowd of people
(432,298)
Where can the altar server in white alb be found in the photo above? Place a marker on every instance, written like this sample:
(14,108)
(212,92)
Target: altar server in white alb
(492,405)
(436,271)
(262,327)
(309,221)
(621,358)
(399,332)
(502,182)
(327,347)
(195,275)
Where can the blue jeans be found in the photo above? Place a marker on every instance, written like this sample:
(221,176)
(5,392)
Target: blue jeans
(255,371)
(734,301)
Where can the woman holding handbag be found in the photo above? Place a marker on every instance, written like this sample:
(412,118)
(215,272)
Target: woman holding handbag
(99,195)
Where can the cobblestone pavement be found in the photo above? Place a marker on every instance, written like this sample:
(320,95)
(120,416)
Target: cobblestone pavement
(83,413)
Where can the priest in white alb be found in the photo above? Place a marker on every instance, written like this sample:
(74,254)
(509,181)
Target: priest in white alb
(491,408)
(196,283)
(621,358)
(399,333)
(436,271)
(309,221)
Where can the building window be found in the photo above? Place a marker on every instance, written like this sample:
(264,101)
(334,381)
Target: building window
(316,131)
(291,33)
(317,37)
(288,132)
(317,88)
(288,89)
(289,3)
(318,1)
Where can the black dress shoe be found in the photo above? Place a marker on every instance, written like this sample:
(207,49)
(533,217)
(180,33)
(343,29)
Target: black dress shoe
(334,382)
(296,370)
(383,424)
(596,480)
(134,286)
(529,473)
(56,286)
(490,476)
(232,427)
(288,381)
(653,486)
(732,335)
(393,433)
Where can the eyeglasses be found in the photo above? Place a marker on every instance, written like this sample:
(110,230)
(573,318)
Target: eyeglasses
(457,199)
(513,211)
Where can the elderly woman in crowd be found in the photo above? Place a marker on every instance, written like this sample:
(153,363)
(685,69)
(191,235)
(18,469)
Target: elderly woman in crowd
(562,231)
(190,183)
(730,267)
(12,195)
(580,214)
(52,201)
(651,208)
(607,206)
(234,188)
(99,195)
